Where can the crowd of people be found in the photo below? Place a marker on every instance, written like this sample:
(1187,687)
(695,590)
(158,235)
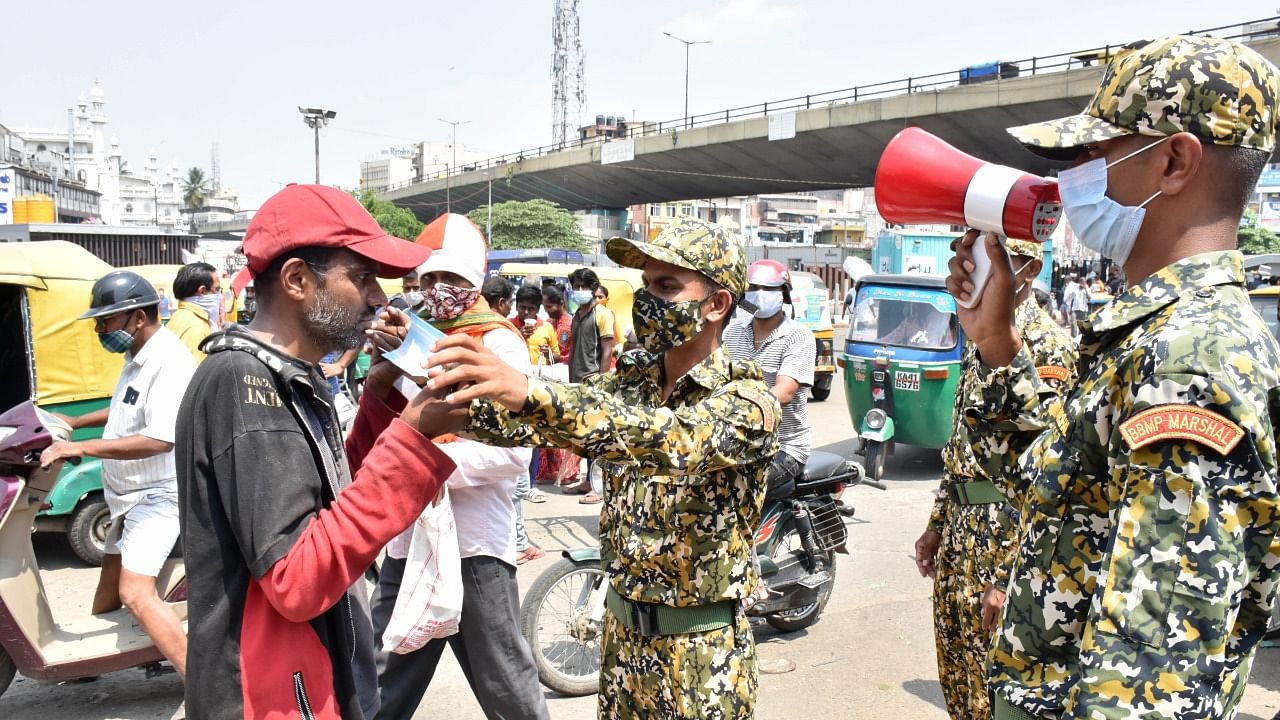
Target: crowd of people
(1102,544)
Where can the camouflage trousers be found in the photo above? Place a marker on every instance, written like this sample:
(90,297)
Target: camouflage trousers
(707,676)
(970,544)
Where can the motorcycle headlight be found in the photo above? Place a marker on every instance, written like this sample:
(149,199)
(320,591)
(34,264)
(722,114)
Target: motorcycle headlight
(876,419)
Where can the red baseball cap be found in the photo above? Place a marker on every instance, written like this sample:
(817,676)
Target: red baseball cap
(321,216)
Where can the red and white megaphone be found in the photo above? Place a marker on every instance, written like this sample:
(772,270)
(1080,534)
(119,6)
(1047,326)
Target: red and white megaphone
(921,179)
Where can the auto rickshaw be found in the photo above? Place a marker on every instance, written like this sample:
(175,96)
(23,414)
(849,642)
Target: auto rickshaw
(1266,300)
(812,303)
(50,357)
(902,362)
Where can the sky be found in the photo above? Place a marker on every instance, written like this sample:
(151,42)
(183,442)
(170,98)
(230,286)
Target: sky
(181,76)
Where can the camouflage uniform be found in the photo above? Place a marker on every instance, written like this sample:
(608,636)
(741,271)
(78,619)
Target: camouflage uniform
(978,538)
(684,488)
(1145,578)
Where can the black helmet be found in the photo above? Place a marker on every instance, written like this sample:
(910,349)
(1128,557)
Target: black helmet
(118,291)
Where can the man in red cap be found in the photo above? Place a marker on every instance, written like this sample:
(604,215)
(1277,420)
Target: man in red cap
(277,534)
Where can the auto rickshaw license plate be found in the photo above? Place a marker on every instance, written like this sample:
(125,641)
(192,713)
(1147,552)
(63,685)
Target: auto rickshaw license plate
(903,380)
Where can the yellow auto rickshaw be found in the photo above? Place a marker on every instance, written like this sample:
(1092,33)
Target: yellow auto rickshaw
(51,357)
(813,310)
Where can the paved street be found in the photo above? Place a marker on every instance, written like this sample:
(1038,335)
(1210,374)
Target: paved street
(871,656)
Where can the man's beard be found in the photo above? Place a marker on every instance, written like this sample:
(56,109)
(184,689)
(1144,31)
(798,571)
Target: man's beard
(333,327)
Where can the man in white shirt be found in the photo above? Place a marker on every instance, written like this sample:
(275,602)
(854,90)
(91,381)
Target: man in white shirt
(493,654)
(139,477)
(1075,300)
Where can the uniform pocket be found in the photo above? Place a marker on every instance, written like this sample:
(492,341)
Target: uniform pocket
(1143,568)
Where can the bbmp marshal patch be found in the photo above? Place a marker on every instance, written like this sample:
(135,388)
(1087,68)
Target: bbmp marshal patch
(1181,422)
(766,407)
(1053,372)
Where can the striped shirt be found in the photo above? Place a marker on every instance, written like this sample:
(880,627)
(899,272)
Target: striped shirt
(145,402)
(791,351)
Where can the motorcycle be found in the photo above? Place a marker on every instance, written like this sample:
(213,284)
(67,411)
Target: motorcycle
(563,613)
(31,639)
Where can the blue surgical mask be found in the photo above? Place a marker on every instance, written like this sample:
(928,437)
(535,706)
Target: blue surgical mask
(1102,224)
(578,298)
(116,341)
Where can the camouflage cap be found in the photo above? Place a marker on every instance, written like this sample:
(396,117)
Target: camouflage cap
(697,245)
(1218,90)
(1024,248)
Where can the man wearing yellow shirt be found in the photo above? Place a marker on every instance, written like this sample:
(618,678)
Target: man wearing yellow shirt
(199,308)
(544,349)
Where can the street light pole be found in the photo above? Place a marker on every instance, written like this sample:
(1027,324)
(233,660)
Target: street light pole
(687,43)
(448,176)
(316,118)
(488,223)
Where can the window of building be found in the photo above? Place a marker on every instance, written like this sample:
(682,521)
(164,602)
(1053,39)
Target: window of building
(671,211)
(655,210)
(686,210)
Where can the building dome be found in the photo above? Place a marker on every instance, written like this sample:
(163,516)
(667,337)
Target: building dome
(96,93)
(82,101)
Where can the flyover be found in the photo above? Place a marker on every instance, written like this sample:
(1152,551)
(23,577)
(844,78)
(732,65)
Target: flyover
(837,140)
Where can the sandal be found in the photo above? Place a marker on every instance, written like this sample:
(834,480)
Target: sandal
(590,499)
(536,496)
(578,488)
(533,552)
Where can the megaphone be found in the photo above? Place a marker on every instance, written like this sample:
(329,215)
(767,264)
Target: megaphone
(922,179)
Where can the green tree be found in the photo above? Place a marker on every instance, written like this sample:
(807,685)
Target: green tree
(1253,239)
(195,188)
(530,224)
(395,220)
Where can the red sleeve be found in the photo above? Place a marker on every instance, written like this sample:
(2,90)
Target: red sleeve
(400,474)
(372,418)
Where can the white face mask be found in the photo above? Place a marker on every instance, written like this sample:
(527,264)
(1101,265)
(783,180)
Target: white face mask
(767,302)
(1102,224)
(211,303)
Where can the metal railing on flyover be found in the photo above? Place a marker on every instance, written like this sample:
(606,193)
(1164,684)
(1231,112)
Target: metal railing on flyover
(1003,70)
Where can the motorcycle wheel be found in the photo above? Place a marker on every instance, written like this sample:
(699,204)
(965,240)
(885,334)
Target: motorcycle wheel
(556,622)
(7,670)
(801,617)
(875,453)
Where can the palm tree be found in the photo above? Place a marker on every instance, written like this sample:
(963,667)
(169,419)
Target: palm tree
(195,188)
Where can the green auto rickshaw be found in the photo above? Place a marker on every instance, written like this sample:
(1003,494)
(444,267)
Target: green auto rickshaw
(902,363)
(49,356)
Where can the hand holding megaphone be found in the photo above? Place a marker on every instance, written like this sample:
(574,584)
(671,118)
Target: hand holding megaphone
(988,324)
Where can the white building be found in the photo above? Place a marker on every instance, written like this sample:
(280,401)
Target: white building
(391,171)
(129,197)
